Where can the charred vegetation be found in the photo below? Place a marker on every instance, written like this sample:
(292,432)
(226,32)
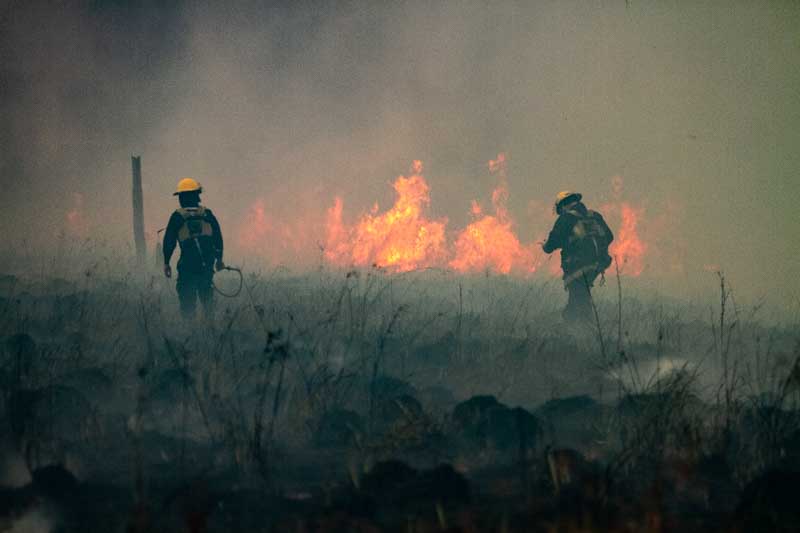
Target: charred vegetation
(353,404)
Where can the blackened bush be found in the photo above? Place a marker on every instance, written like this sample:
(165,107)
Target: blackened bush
(769,502)
(482,422)
(338,428)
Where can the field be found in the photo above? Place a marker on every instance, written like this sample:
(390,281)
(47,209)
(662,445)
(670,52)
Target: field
(369,401)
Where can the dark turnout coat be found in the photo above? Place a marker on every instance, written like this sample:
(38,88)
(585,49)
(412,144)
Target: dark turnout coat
(583,237)
(197,232)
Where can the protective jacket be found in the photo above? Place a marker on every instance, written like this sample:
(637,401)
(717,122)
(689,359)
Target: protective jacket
(583,237)
(197,232)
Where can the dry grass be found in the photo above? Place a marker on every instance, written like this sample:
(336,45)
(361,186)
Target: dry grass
(238,399)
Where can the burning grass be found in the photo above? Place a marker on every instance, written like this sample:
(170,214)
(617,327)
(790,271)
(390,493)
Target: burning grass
(408,235)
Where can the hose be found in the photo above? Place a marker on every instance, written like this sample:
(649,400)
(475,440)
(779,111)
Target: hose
(238,290)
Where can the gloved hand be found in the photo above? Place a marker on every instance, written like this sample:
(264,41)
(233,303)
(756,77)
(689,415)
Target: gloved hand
(168,271)
(219,265)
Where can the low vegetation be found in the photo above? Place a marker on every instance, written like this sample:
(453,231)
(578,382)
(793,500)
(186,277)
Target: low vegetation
(364,401)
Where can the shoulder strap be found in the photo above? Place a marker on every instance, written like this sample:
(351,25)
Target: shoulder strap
(587,225)
(195,223)
(191,212)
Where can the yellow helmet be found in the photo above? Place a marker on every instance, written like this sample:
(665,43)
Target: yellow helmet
(188,185)
(567,195)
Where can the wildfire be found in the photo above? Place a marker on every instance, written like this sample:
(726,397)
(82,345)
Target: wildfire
(628,248)
(77,224)
(401,239)
(283,240)
(256,229)
(490,242)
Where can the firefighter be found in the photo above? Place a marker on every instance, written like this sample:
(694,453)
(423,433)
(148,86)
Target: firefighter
(583,237)
(195,229)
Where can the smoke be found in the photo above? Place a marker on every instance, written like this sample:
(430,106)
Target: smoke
(13,471)
(36,521)
(284,107)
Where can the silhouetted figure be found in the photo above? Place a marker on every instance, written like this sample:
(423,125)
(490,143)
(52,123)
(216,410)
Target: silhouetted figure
(197,231)
(583,237)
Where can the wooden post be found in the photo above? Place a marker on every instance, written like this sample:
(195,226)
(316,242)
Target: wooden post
(138,211)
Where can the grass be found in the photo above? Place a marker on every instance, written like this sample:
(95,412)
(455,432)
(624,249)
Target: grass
(237,399)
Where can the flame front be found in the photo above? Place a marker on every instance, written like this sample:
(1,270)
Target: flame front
(628,248)
(403,238)
(489,243)
(288,241)
(400,240)
(77,223)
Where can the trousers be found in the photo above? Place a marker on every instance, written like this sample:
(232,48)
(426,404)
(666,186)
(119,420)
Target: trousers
(579,300)
(193,286)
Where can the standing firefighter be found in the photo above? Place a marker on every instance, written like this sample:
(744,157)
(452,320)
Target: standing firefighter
(583,237)
(197,231)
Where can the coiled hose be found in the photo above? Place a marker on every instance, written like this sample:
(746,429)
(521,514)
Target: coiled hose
(238,290)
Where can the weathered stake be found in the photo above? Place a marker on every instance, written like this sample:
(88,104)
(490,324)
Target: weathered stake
(138,211)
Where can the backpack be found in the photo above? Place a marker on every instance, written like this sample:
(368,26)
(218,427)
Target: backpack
(195,224)
(589,240)
(195,237)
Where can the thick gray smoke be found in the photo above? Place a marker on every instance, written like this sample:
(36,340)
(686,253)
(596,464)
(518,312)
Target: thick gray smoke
(695,106)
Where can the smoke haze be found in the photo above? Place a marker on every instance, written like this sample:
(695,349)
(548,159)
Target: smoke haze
(689,112)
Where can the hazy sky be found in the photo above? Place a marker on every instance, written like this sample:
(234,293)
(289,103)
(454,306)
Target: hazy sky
(696,105)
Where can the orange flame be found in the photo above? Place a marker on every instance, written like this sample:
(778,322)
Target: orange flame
(256,228)
(337,248)
(490,242)
(77,224)
(628,248)
(281,240)
(401,239)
